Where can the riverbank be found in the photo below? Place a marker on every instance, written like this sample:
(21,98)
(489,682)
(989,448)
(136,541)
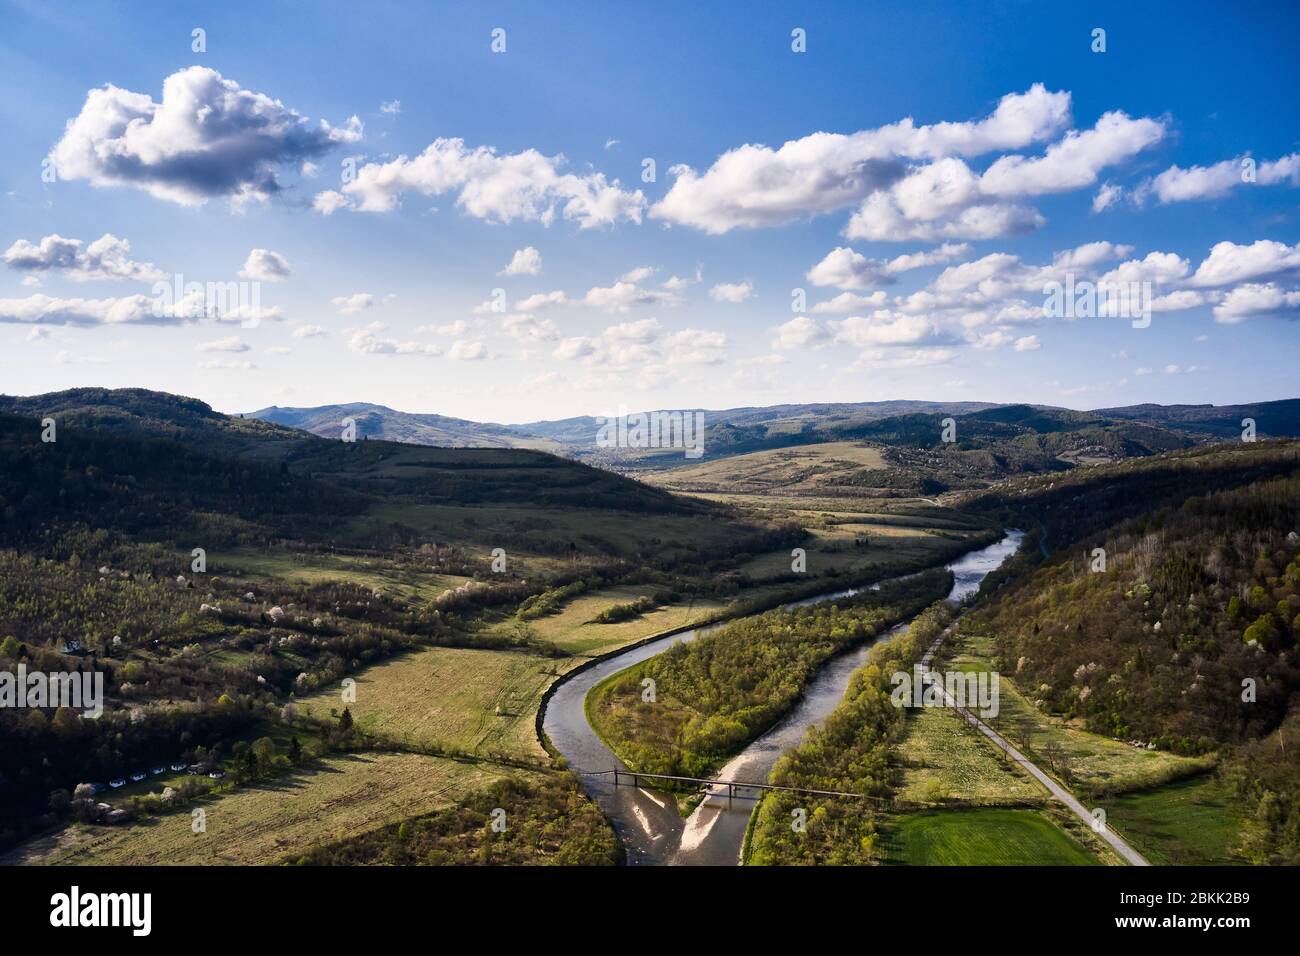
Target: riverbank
(650,826)
(691,709)
(810,592)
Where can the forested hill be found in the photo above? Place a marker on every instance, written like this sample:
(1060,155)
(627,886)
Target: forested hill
(1151,636)
(578,431)
(1224,421)
(126,480)
(1062,509)
(1009,439)
(1158,601)
(125,459)
(140,412)
(214,568)
(379,421)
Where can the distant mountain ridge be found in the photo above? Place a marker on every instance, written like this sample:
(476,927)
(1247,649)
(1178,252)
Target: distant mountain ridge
(577,435)
(911,428)
(1271,418)
(382,422)
(137,442)
(1045,430)
(580,429)
(143,412)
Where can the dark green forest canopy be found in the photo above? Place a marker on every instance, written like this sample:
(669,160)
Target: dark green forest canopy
(1194,599)
(1062,509)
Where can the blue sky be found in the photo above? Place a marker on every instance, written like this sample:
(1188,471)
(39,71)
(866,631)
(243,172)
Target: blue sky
(1106,167)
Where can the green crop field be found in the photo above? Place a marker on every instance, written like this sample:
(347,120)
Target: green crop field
(981,837)
(1194,822)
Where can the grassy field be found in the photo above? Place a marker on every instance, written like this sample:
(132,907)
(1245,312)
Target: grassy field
(1089,763)
(478,701)
(1193,822)
(550,821)
(1187,822)
(542,535)
(311,568)
(981,837)
(836,546)
(574,630)
(832,476)
(852,528)
(794,471)
(333,798)
(485,701)
(944,758)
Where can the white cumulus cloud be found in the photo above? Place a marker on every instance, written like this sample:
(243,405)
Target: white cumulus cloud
(263,265)
(734,292)
(1253,300)
(207,138)
(105,258)
(1177,184)
(494,187)
(525,262)
(1229,263)
(754,185)
(232,344)
(353,304)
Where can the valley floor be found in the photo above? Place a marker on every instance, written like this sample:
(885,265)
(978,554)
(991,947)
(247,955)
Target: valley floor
(460,717)
(382,633)
(1004,813)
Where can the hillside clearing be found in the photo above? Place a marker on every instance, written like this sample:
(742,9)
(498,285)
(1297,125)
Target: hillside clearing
(783,471)
(474,701)
(574,630)
(310,568)
(1089,763)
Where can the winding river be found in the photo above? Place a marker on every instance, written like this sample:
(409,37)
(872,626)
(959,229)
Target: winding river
(648,822)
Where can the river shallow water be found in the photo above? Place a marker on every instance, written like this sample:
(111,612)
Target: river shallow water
(648,822)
